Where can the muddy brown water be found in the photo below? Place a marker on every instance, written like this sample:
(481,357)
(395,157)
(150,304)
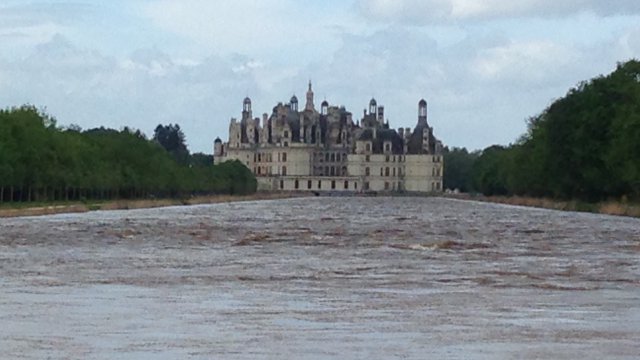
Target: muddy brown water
(317,278)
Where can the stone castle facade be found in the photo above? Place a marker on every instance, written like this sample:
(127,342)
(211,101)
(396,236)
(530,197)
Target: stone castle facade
(301,149)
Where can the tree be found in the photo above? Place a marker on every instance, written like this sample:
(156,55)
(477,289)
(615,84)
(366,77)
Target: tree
(458,168)
(172,139)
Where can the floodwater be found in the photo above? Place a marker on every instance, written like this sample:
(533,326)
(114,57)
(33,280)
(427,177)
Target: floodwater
(317,278)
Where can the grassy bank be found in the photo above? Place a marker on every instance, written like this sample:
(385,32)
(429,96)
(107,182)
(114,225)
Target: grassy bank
(617,208)
(40,209)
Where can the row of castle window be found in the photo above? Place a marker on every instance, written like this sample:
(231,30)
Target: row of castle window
(331,171)
(259,157)
(385,171)
(346,185)
(331,157)
(389,158)
(387,147)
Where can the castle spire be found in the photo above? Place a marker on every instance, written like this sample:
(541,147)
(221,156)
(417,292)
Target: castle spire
(309,105)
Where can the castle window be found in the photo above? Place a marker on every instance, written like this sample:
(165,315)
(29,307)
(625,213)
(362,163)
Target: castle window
(259,170)
(366,185)
(387,147)
(309,184)
(333,185)
(327,157)
(346,185)
(281,185)
(367,158)
(386,172)
(286,134)
(367,172)
(333,157)
(284,157)
(344,157)
(381,172)
(367,147)
(333,171)
(326,171)
(284,171)
(386,185)
(344,171)
(255,157)
(386,159)
(297,184)
(286,144)
(394,171)
(355,185)
(319,184)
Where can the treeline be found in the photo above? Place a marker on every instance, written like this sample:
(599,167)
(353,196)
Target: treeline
(40,161)
(584,146)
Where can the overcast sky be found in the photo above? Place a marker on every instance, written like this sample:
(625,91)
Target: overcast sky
(484,66)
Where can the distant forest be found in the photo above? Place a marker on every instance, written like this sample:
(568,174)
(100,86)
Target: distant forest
(40,161)
(584,146)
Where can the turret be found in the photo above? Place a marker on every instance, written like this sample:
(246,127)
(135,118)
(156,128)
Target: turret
(294,103)
(373,107)
(324,108)
(422,112)
(246,109)
(217,148)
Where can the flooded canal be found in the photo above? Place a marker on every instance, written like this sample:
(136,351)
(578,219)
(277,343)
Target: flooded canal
(317,278)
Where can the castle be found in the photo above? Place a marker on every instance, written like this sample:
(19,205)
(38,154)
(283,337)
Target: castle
(305,150)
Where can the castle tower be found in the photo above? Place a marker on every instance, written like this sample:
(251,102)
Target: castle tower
(422,112)
(309,105)
(246,109)
(294,103)
(217,148)
(324,109)
(373,107)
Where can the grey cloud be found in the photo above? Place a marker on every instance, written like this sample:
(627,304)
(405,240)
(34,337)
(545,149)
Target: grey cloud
(89,89)
(480,90)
